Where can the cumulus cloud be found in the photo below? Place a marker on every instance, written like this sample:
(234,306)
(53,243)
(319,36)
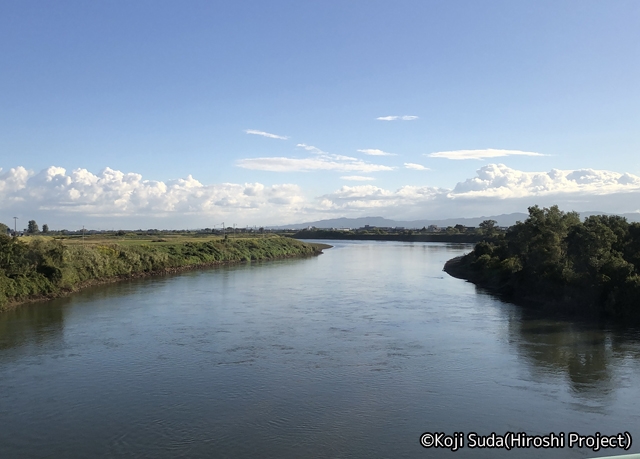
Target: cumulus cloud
(112,194)
(115,193)
(376,152)
(496,189)
(500,181)
(13,180)
(357,178)
(266,134)
(416,167)
(396,117)
(481,154)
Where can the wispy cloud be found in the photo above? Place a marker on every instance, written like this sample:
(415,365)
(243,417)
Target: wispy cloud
(481,154)
(365,198)
(266,134)
(396,118)
(357,178)
(321,160)
(311,148)
(376,152)
(323,163)
(416,167)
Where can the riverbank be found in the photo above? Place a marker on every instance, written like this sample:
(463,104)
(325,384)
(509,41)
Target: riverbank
(346,236)
(44,269)
(556,262)
(567,302)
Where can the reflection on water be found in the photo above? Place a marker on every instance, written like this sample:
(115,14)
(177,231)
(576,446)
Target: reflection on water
(351,354)
(585,353)
(31,326)
(582,355)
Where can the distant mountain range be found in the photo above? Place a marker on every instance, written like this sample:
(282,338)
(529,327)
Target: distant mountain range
(503,220)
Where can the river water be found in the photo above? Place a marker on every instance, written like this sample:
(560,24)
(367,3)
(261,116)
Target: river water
(352,354)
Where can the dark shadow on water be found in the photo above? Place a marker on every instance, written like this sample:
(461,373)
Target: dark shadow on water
(38,324)
(585,351)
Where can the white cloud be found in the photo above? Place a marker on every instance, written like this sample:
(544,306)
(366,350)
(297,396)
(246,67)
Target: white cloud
(326,163)
(396,117)
(367,197)
(60,198)
(312,149)
(376,152)
(320,161)
(13,180)
(266,134)
(357,178)
(481,154)
(495,190)
(342,157)
(416,167)
(116,194)
(500,181)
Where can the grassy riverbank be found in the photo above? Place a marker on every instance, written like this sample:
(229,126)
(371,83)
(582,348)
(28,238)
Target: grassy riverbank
(40,267)
(556,261)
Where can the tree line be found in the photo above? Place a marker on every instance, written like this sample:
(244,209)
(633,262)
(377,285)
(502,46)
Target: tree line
(32,228)
(555,257)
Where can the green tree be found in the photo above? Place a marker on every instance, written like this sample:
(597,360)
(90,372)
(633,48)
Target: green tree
(45,228)
(32,227)
(541,241)
(4,229)
(555,256)
(488,227)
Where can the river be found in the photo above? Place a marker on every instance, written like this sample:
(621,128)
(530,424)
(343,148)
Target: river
(351,354)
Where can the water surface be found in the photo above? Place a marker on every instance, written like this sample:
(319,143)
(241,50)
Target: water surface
(352,354)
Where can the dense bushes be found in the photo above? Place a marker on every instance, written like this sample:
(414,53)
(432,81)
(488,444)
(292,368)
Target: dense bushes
(44,267)
(555,257)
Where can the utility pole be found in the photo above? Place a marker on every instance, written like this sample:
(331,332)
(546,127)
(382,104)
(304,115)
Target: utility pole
(83,236)
(223,228)
(15,226)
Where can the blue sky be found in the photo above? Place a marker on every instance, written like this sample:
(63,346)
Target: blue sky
(149,113)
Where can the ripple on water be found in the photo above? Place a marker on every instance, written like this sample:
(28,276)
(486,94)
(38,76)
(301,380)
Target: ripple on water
(350,354)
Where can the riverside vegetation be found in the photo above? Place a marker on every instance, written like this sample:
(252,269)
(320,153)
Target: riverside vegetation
(463,236)
(555,260)
(47,267)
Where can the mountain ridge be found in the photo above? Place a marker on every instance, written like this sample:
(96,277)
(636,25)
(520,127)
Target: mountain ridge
(502,219)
